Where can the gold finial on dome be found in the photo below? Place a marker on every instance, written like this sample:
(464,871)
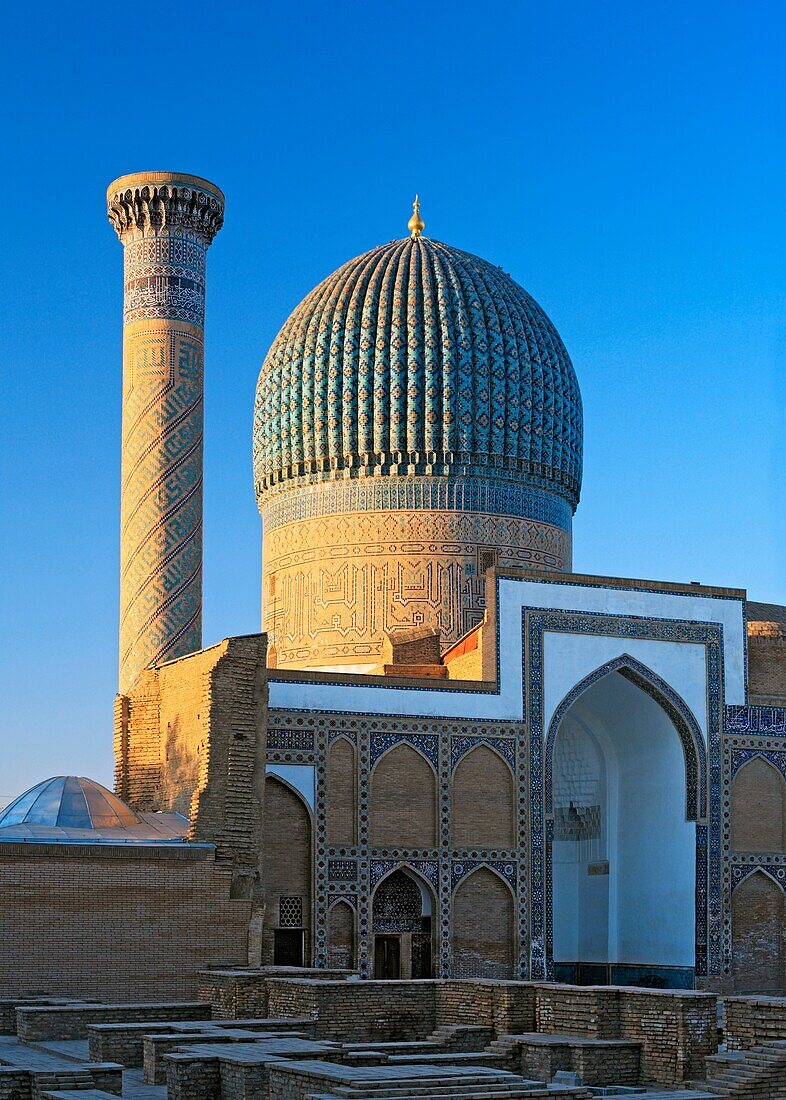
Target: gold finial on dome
(416,225)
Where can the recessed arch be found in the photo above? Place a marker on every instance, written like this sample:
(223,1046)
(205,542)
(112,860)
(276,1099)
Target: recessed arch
(341,935)
(287,863)
(758,807)
(621,783)
(676,709)
(403,905)
(484,801)
(758,912)
(403,801)
(341,794)
(397,745)
(484,926)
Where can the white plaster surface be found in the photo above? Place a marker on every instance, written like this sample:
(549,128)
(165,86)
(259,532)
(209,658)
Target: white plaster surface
(507,704)
(568,658)
(643,912)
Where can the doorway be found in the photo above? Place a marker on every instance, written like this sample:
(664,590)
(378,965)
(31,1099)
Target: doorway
(288,947)
(387,958)
(401,916)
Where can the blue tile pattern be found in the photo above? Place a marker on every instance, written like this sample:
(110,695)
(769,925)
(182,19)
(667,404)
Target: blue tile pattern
(419,358)
(491,495)
(770,720)
(426,743)
(505,746)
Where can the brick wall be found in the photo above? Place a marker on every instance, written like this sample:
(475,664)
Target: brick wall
(403,801)
(484,802)
(190,736)
(117,923)
(483,927)
(754,1020)
(72,1021)
(766,669)
(358,1010)
(243,994)
(677,1032)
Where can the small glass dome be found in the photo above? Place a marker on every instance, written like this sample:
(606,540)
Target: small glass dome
(70,802)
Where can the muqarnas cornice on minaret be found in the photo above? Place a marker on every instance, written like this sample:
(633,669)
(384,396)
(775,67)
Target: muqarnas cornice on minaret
(166,221)
(149,202)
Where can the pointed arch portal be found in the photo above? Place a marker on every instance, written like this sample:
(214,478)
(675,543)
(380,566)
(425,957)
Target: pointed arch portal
(402,908)
(624,789)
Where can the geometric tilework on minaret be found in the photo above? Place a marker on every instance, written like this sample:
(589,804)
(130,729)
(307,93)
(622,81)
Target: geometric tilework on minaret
(166,222)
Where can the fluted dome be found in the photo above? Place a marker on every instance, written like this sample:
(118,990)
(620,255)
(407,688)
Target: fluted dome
(418,358)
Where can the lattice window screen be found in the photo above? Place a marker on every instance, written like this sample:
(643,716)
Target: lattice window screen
(290,912)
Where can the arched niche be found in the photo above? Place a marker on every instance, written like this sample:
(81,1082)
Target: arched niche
(483,927)
(287,868)
(484,801)
(341,952)
(403,800)
(758,808)
(757,921)
(402,912)
(341,800)
(625,774)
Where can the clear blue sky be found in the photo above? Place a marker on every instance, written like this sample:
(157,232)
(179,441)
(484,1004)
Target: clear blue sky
(624,161)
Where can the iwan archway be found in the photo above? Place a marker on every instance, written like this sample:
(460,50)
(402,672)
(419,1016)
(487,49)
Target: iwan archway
(625,781)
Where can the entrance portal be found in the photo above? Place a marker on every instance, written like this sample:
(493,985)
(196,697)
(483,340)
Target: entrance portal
(402,927)
(623,854)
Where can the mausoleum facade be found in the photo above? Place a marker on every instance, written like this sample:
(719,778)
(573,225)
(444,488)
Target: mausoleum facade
(446,755)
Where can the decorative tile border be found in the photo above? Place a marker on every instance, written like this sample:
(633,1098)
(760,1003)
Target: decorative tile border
(770,720)
(536,621)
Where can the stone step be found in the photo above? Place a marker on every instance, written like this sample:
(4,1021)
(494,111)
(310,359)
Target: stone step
(394,1088)
(78,1094)
(473,1092)
(458,1087)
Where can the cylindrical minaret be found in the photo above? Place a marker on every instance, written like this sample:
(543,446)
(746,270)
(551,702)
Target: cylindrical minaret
(166,222)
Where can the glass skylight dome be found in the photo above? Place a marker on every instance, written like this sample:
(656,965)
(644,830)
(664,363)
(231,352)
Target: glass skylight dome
(70,802)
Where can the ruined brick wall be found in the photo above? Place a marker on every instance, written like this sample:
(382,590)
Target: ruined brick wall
(358,1011)
(117,923)
(677,1031)
(751,1021)
(190,736)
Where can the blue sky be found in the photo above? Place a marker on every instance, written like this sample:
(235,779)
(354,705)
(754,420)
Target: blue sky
(624,161)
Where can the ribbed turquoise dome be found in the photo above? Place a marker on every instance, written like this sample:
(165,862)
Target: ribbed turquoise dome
(417,358)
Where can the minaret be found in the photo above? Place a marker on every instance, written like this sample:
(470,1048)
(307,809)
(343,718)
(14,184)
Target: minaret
(166,222)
